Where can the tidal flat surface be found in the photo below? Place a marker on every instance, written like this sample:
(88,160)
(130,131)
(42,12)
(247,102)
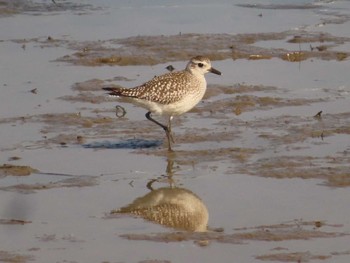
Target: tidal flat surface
(261,167)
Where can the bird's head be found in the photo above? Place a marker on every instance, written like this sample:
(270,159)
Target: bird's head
(201,65)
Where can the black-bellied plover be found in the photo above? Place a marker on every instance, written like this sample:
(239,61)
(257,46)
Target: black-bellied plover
(170,94)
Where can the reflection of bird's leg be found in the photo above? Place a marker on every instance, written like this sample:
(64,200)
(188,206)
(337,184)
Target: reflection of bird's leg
(169,169)
(167,129)
(169,134)
(169,172)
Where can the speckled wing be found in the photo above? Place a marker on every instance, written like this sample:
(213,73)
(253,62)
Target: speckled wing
(164,89)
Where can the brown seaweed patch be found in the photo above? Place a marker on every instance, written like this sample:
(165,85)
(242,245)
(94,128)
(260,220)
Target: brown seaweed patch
(7,11)
(293,257)
(346,252)
(65,139)
(10,257)
(79,181)
(107,57)
(183,236)
(259,56)
(86,91)
(294,56)
(127,61)
(89,85)
(66,120)
(281,235)
(272,233)
(342,55)
(246,102)
(86,97)
(14,158)
(53,237)
(204,135)
(47,238)
(279,6)
(252,52)
(299,128)
(16,170)
(191,157)
(151,50)
(154,261)
(29,7)
(74,128)
(305,37)
(75,119)
(14,222)
(340,179)
(293,230)
(335,175)
(215,90)
(296,223)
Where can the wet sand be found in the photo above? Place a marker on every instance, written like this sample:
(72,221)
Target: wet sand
(261,167)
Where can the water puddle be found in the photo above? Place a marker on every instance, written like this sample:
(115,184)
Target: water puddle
(260,169)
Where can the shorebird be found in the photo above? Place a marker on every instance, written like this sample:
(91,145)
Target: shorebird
(171,94)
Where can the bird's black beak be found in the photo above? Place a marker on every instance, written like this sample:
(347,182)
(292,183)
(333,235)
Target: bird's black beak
(215,71)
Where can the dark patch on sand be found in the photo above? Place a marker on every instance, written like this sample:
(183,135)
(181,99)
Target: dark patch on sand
(152,50)
(280,6)
(77,181)
(292,257)
(273,233)
(13,7)
(16,170)
(12,257)
(14,222)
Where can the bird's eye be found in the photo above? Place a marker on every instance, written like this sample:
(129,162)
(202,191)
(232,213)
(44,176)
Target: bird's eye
(200,65)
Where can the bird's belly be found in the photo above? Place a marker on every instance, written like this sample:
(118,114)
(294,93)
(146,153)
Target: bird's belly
(182,106)
(171,109)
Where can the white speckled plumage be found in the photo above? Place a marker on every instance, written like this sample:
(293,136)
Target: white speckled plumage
(170,94)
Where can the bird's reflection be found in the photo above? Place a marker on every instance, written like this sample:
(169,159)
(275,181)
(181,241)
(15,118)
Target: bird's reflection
(174,207)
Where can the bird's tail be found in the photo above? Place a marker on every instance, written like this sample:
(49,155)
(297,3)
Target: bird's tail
(114,91)
(118,91)
(122,92)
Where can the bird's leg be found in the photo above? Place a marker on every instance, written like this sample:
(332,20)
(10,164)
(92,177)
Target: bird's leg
(169,134)
(148,116)
(167,129)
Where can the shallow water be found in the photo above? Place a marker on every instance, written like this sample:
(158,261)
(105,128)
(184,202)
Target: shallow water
(273,177)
